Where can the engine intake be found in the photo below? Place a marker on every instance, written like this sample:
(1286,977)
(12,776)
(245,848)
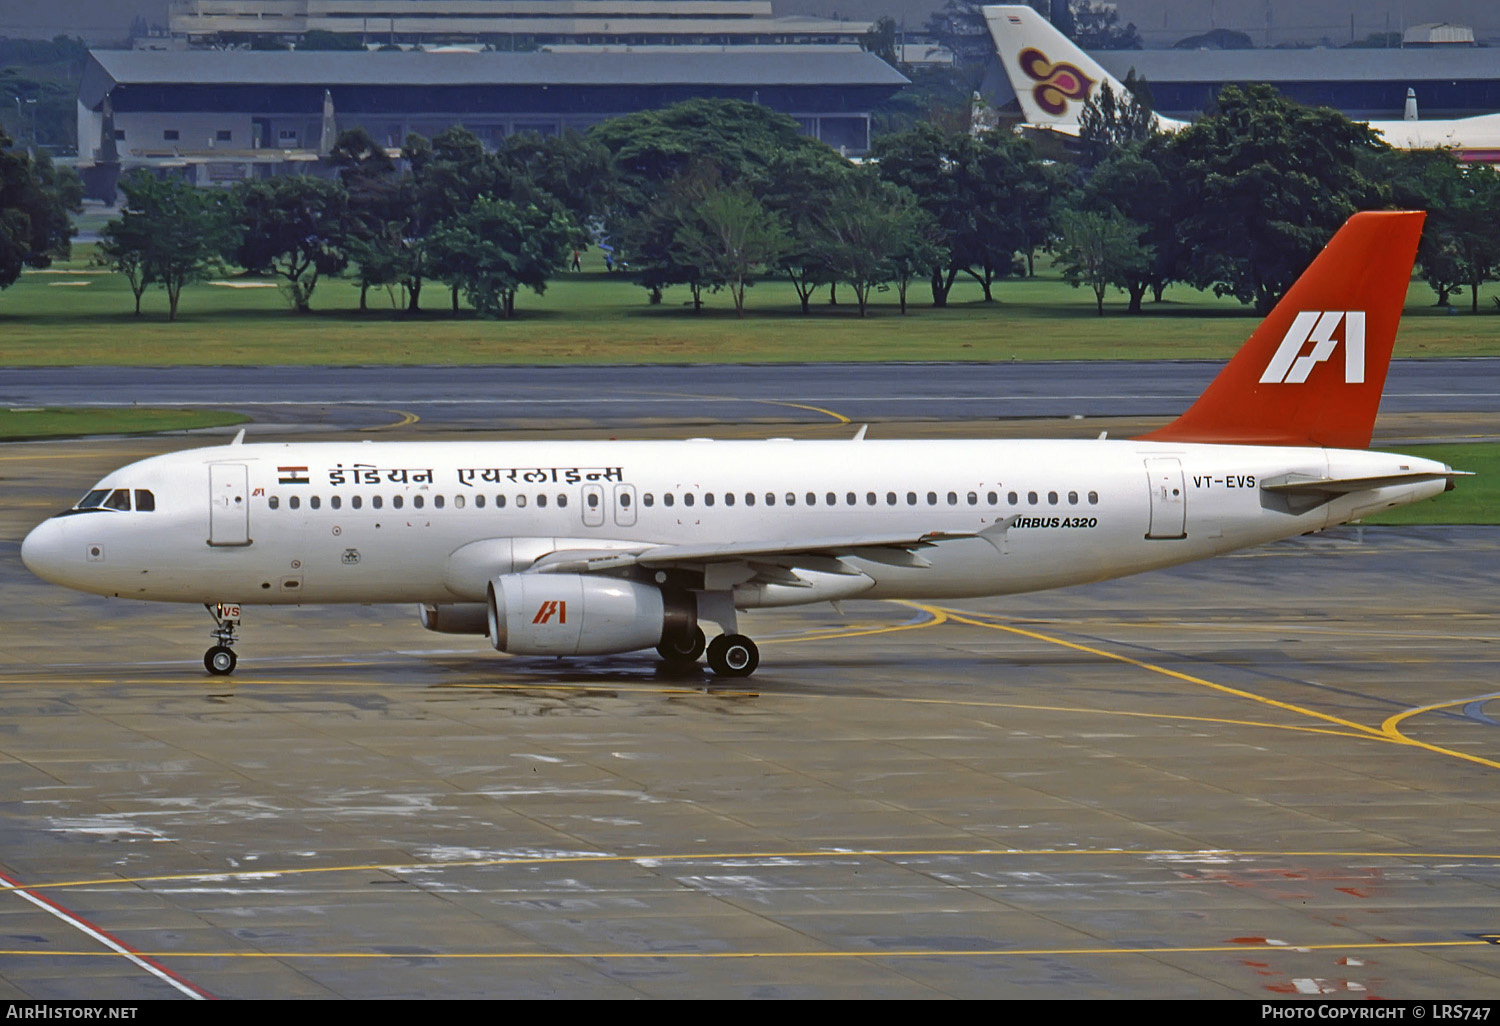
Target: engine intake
(573,614)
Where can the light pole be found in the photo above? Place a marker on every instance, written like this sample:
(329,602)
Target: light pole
(21,119)
(32,104)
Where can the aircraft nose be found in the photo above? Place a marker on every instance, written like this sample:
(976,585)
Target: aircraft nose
(41,551)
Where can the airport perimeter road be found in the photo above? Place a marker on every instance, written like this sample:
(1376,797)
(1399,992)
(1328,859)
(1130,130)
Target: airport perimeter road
(1267,775)
(497,397)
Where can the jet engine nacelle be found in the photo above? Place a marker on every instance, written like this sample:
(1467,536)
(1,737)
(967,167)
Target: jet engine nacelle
(572,614)
(455,617)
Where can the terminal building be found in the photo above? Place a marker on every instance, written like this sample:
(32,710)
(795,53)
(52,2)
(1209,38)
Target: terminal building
(508,24)
(228,113)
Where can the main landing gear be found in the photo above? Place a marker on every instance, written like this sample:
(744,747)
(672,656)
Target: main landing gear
(220,660)
(729,655)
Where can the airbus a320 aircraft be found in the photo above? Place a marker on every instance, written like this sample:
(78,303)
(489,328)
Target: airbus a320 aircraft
(1053,79)
(589,547)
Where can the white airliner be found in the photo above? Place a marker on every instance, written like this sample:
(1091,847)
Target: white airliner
(1054,79)
(589,547)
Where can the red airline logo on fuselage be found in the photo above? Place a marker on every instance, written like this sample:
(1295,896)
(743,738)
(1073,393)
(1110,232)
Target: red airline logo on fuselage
(1291,366)
(544,614)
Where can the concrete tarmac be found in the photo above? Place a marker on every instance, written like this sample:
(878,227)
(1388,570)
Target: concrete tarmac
(1267,775)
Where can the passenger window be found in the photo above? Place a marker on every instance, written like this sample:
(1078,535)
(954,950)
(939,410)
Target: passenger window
(708,498)
(687,498)
(953,498)
(890,498)
(499,502)
(315,502)
(118,499)
(593,501)
(749,498)
(294,502)
(770,498)
(869,498)
(993,499)
(520,502)
(1072,498)
(356,502)
(911,498)
(145,502)
(273,502)
(932,498)
(416,501)
(458,502)
(1012,498)
(562,500)
(667,499)
(1052,498)
(973,499)
(479,502)
(437,502)
(851,499)
(541,501)
(812,499)
(729,498)
(1093,498)
(336,502)
(791,498)
(648,499)
(376,502)
(396,501)
(1031,498)
(831,499)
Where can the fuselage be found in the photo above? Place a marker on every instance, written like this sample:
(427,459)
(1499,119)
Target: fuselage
(432,522)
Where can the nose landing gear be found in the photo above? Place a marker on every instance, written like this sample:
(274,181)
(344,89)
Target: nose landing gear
(220,660)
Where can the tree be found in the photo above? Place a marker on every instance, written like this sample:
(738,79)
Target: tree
(294,227)
(1100,250)
(377,213)
(797,191)
(36,199)
(170,234)
(1135,182)
(1108,122)
(876,233)
(1096,27)
(881,41)
(1264,183)
(730,236)
(495,248)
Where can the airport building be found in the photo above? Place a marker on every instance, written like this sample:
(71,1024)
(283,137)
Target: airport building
(227,113)
(508,24)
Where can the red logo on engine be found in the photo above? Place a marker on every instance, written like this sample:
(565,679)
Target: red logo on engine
(1056,84)
(544,614)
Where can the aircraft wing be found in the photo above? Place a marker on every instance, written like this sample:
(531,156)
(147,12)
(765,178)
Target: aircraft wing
(809,553)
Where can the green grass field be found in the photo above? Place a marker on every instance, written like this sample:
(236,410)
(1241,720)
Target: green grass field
(76,314)
(1474,500)
(33,424)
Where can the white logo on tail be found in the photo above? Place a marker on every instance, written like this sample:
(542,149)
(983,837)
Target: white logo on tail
(1290,366)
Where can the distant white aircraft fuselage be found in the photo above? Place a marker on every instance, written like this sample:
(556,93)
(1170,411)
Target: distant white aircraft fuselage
(1053,80)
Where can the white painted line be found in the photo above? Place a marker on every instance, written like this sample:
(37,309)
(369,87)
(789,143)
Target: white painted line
(105,939)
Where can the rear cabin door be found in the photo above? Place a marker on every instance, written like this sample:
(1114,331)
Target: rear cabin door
(228,504)
(1168,499)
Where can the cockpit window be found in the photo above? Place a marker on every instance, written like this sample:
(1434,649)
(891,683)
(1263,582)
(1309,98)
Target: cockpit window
(145,502)
(118,499)
(93,500)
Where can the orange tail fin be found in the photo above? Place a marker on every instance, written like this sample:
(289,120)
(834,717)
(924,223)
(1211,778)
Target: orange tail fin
(1312,373)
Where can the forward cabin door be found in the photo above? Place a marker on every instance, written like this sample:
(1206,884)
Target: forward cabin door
(1168,499)
(228,504)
